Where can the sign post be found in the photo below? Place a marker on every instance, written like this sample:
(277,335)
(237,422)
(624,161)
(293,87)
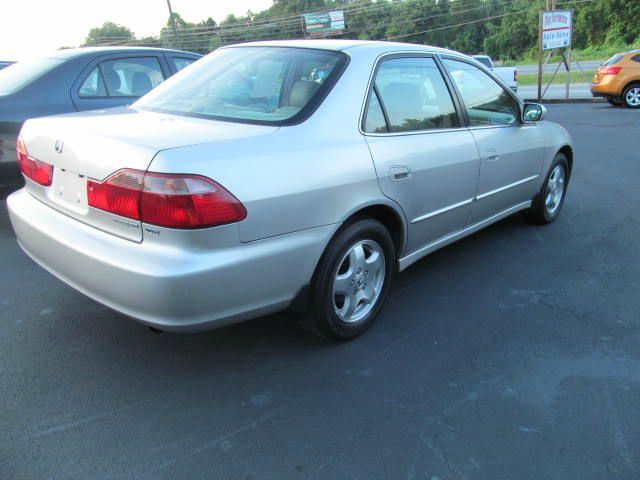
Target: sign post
(555,31)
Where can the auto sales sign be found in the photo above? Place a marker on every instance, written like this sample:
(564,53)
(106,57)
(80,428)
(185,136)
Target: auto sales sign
(556,29)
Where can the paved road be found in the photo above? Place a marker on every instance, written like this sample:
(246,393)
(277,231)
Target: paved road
(576,91)
(551,67)
(514,354)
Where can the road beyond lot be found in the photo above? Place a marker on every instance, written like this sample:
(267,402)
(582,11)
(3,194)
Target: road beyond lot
(513,354)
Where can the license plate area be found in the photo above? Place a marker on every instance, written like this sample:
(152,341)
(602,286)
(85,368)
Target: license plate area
(69,190)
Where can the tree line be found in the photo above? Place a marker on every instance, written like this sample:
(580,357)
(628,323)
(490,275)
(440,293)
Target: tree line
(504,29)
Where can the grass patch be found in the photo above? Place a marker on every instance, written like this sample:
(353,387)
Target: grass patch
(576,77)
(600,52)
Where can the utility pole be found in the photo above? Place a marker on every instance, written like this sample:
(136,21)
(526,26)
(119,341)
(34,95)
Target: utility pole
(173,23)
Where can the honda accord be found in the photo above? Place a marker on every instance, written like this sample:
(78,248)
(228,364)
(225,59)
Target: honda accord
(282,174)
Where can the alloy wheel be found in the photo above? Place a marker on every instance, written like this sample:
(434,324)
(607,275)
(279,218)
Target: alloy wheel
(632,96)
(555,190)
(358,281)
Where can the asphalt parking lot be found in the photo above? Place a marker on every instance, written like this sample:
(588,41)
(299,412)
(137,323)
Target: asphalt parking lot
(513,354)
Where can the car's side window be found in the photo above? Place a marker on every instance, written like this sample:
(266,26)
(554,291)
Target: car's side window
(124,77)
(181,63)
(414,96)
(375,121)
(487,103)
(636,58)
(93,86)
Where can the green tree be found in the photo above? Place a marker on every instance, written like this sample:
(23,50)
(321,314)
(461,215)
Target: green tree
(108,33)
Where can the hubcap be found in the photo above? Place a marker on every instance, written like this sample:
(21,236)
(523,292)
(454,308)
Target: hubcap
(358,281)
(633,96)
(555,190)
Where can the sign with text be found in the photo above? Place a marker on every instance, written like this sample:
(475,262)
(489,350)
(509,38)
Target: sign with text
(556,29)
(324,23)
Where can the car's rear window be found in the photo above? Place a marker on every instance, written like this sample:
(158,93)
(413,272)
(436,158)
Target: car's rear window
(21,74)
(615,59)
(265,85)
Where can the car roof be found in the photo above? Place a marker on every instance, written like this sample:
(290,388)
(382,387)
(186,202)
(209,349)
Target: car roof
(344,45)
(82,51)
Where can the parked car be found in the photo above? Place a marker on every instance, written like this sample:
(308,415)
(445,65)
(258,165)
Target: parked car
(508,75)
(5,64)
(618,80)
(77,80)
(248,183)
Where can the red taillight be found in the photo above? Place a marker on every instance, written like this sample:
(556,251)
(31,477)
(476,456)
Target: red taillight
(515,75)
(611,70)
(166,200)
(119,194)
(39,172)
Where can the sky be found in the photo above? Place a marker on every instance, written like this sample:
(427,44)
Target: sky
(34,27)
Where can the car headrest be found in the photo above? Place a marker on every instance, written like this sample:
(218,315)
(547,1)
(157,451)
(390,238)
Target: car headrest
(301,92)
(140,84)
(112,79)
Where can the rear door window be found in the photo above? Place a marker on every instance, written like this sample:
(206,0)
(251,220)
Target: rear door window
(93,86)
(375,121)
(124,77)
(414,96)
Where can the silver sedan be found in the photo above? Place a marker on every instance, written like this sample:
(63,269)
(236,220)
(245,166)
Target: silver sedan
(275,175)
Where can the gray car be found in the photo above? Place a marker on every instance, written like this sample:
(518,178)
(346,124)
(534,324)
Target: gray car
(275,175)
(75,80)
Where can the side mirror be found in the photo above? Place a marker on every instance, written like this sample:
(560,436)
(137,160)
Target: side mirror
(533,112)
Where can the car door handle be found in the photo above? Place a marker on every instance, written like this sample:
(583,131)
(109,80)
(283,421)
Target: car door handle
(399,173)
(491,156)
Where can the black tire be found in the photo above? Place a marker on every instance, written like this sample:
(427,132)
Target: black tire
(321,317)
(631,91)
(614,101)
(540,212)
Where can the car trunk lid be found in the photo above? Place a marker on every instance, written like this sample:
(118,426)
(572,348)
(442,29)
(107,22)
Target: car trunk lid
(94,145)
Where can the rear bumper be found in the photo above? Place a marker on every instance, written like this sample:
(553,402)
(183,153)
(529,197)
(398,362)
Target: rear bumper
(605,89)
(169,287)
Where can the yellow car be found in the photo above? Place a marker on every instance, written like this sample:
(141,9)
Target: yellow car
(618,80)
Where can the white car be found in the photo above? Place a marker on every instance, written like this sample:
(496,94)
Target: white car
(508,75)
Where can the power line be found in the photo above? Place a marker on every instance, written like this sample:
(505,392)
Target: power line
(201,39)
(241,33)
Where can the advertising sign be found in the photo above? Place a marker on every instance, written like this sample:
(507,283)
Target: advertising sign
(556,29)
(325,22)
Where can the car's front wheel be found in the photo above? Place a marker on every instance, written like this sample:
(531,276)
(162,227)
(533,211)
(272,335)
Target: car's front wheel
(351,281)
(631,96)
(549,201)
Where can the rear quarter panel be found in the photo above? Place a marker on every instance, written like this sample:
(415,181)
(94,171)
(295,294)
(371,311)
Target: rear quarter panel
(302,176)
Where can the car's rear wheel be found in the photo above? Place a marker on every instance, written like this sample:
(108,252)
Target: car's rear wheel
(351,281)
(631,96)
(549,201)
(615,101)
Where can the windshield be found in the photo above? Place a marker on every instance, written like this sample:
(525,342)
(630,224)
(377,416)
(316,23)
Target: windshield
(266,85)
(20,74)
